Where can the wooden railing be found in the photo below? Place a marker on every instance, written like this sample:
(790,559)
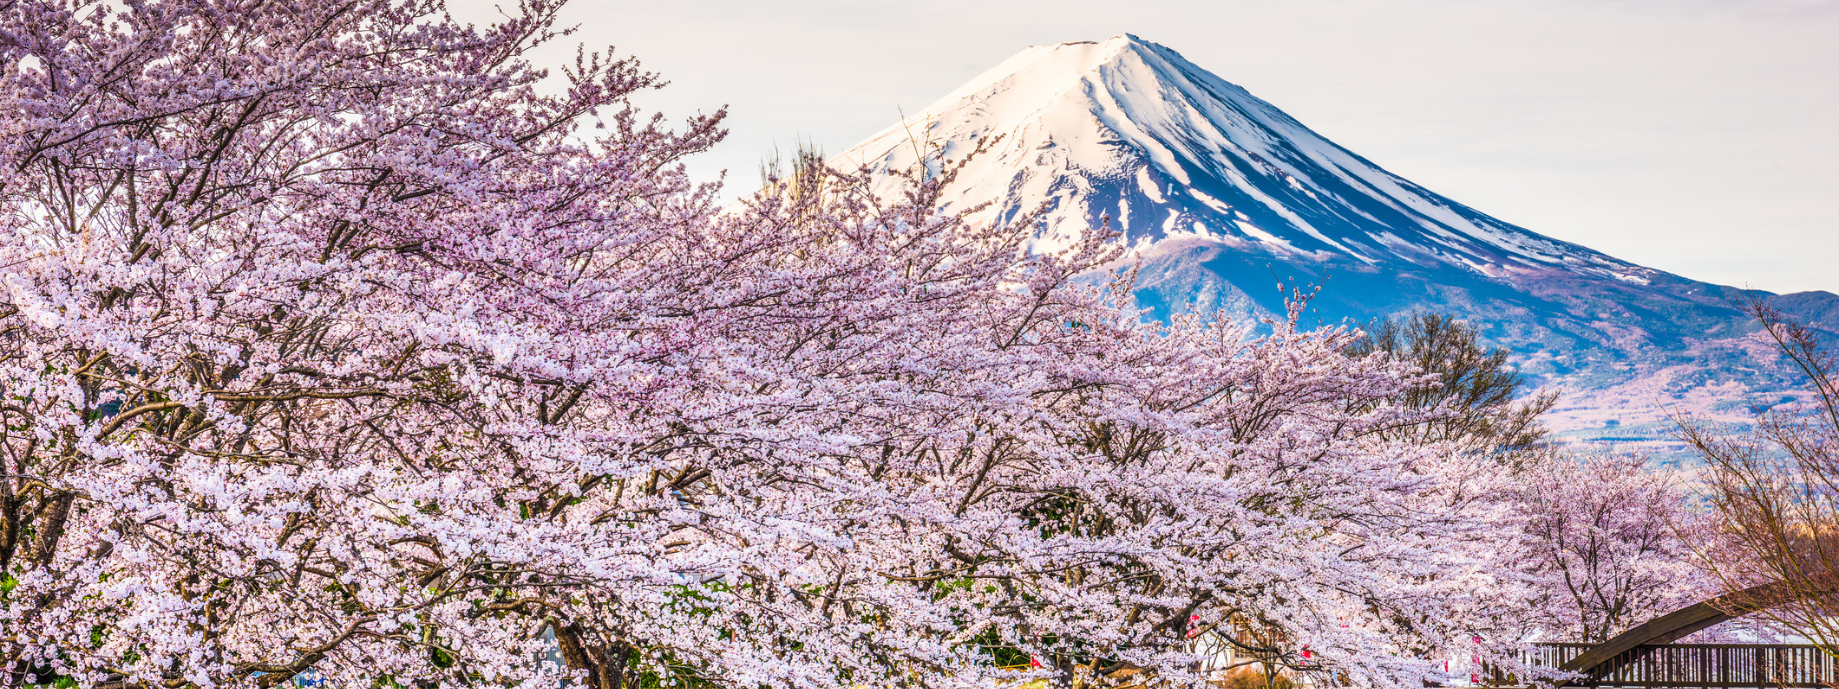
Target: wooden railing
(1706,665)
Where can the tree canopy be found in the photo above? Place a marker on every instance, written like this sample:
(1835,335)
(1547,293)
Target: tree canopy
(338,337)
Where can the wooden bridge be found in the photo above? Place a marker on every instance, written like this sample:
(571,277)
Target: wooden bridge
(1646,657)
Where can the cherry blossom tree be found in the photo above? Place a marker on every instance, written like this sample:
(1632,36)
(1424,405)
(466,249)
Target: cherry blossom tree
(1611,543)
(878,345)
(1157,475)
(1365,551)
(301,300)
(1138,477)
(1607,537)
(338,338)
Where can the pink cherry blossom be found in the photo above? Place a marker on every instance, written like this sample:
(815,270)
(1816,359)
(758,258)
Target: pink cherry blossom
(337,336)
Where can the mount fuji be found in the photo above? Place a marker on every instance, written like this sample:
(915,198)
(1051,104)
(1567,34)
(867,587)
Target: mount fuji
(1224,197)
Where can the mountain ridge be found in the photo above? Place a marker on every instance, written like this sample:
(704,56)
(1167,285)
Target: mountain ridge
(1198,133)
(1222,194)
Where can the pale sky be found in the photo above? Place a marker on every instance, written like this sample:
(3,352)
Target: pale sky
(1700,137)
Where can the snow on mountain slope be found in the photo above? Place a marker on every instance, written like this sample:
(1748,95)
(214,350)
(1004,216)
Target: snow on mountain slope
(1130,130)
(1224,195)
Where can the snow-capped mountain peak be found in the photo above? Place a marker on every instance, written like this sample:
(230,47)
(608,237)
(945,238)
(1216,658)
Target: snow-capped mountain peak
(1225,194)
(1130,130)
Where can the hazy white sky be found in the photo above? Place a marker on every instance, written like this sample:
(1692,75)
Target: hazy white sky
(1700,137)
